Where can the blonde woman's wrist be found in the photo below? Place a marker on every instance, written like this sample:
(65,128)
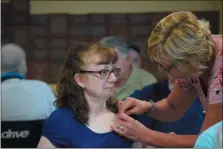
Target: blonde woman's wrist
(151,107)
(146,139)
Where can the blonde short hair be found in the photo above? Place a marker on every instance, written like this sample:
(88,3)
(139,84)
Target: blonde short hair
(181,37)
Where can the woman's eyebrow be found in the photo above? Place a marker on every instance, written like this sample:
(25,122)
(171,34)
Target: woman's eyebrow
(101,63)
(108,67)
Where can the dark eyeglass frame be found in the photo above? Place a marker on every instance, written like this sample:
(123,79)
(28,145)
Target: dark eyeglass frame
(167,69)
(100,72)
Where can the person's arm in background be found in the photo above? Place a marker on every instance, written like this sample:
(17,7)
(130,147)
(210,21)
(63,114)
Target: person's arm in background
(45,143)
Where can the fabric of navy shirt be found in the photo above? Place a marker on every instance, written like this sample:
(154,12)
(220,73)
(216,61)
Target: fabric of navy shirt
(64,130)
(190,123)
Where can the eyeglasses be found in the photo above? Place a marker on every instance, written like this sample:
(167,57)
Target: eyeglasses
(105,73)
(167,69)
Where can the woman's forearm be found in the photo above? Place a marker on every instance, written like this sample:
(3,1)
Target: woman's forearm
(159,139)
(165,112)
(173,107)
(45,143)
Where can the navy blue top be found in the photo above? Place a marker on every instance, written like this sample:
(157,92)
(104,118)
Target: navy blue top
(63,130)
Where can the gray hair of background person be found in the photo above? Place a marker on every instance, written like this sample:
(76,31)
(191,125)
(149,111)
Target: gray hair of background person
(115,42)
(13,59)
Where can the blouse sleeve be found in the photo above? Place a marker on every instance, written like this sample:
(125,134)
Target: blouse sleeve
(216,96)
(215,88)
(56,129)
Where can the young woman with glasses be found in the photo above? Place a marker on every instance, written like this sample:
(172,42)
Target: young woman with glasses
(86,107)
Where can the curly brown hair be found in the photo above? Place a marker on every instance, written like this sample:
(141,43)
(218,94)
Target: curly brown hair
(69,93)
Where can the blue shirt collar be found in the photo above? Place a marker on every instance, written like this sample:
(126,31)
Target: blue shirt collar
(12,75)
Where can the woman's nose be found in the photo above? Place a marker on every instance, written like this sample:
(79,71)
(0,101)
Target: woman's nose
(112,77)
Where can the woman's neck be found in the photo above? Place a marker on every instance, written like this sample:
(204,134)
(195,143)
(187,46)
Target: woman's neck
(96,105)
(100,118)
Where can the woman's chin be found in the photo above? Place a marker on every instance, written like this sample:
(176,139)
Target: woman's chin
(108,94)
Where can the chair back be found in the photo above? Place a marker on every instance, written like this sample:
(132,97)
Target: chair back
(21,134)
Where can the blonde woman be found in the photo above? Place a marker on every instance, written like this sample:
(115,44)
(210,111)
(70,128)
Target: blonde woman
(182,46)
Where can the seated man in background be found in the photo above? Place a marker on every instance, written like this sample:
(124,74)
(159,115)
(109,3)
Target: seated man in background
(131,77)
(134,54)
(22,99)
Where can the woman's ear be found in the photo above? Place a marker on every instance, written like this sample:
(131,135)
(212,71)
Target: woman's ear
(78,80)
(128,57)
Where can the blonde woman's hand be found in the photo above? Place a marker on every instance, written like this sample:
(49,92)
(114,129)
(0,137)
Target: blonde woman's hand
(130,128)
(134,106)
